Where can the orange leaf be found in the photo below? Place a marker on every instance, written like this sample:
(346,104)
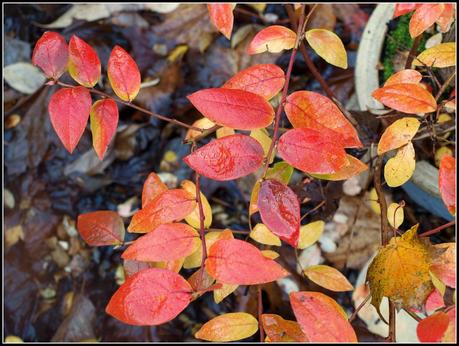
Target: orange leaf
(123,74)
(444,266)
(265,80)
(424,17)
(321,318)
(69,112)
(280,330)
(233,108)
(104,120)
(404,76)
(328,277)
(401,9)
(441,55)
(51,54)
(447,182)
(202,123)
(398,134)
(84,64)
(354,167)
(273,39)
(433,327)
(152,188)
(233,261)
(328,46)
(221,16)
(228,327)
(310,109)
(169,206)
(446,18)
(101,228)
(167,242)
(312,151)
(227,158)
(406,97)
(150,297)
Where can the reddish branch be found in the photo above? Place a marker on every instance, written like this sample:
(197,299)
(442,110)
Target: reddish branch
(438,229)
(260,312)
(413,52)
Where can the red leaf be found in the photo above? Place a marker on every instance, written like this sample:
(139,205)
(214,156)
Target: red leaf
(169,206)
(233,108)
(227,158)
(123,74)
(233,261)
(434,301)
(166,243)
(152,187)
(406,97)
(280,210)
(447,182)
(424,17)
(432,328)
(265,80)
(404,76)
(312,151)
(101,228)
(221,16)
(104,120)
(273,39)
(84,64)
(150,297)
(51,54)
(401,9)
(69,112)
(310,109)
(321,318)
(446,17)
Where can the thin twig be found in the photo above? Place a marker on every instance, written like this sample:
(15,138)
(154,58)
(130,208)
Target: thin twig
(445,85)
(260,312)
(438,229)
(413,52)
(318,206)
(361,305)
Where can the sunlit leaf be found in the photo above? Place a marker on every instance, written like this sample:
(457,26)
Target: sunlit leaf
(224,131)
(400,168)
(104,121)
(169,206)
(270,254)
(273,39)
(353,168)
(424,17)
(228,327)
(262,136)
(280,330)
(404,76)
(265,80)
(51,54)
(433,327)
(395,215)
(69,112)
(398,134)
(202,123)
(263,235)
(227,158)
(328,277)
(328,46)
(100,228)
(152,188)
(84,64)
(447,182)
(123,74)
(221,16)
(223,292)
(233,261)
(193,218)
(280,210)
(310,233)
(321,318)
(442,55)
(238,109)
(150,297)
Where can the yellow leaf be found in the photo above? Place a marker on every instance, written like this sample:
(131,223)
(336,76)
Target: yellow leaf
(225,131)
(354,167)
(13,339)
(400,271)
(399,169)
(263,235)
(440,152)
(398,134)
(395,215)
(442,55)
(310,233)
(202,123)
(328,277)
(328,46)
(223,292)
(253,207)
(177,53)
(270,254)
(260,8)
(174,266)
(261,135)
(228,327)
(194,260)
(438,284)
(374,204)
(193,218)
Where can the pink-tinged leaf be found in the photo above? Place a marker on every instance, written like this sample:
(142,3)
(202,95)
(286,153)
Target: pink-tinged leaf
(450,334)
(69,112)
(265,80)
(401,9)
(222,17)
(152,188)
(447,182)
(132,267)
(51,54)
(84,64)
(104,120)
(166,243)
(321,318)
(101,228)
(227,158)
(123,74)
(444,266)
(424,17)
(310,109)
(233,261)
(233,108)
(446,18)
(312,151)
(150,297)
(407,98)
(434,301)
(404,76)
(272,39)
(433,327)
(169,206)
(280,210)
(353,168)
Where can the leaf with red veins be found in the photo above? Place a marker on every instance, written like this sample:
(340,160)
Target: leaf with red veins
(84,64)
(104,121)
(123,74)
(99,228)
(51,54)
